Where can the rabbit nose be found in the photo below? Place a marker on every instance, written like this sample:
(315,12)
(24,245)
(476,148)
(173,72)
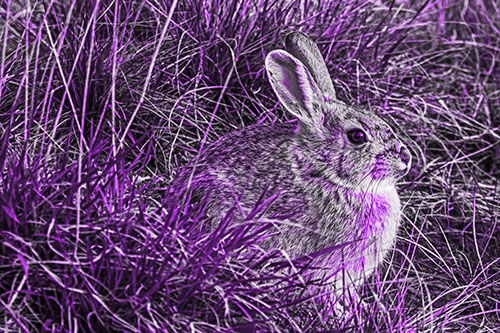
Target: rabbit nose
(404,155)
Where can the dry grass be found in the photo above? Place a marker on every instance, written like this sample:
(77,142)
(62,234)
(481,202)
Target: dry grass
(101,101)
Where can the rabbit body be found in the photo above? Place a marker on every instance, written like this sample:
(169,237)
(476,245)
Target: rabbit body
(331,189)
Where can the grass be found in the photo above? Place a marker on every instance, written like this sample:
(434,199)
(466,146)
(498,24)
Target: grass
(102,101)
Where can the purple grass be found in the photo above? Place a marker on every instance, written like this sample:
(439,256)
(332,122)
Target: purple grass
(102,101)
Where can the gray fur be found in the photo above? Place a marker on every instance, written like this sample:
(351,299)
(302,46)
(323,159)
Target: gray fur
(330,191)
(304,49)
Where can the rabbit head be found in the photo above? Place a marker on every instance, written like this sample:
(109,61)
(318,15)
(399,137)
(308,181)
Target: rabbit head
(348,146)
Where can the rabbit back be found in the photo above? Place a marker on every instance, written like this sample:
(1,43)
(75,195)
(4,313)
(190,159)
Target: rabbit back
(240,166)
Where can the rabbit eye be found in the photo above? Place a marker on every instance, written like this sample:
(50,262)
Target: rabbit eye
(356,136)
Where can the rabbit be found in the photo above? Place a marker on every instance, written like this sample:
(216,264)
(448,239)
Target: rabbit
(333,171)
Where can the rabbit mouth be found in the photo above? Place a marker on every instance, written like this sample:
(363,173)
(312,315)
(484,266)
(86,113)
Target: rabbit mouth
(402,168)
(391,166)
(395,170)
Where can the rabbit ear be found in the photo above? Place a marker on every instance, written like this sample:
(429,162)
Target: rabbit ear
(295,87)
(303,48)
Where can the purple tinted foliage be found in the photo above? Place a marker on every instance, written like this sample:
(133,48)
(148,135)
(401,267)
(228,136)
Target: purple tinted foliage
(101,101)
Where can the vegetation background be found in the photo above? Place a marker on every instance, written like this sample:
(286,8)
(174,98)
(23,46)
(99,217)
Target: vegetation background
(101,101)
